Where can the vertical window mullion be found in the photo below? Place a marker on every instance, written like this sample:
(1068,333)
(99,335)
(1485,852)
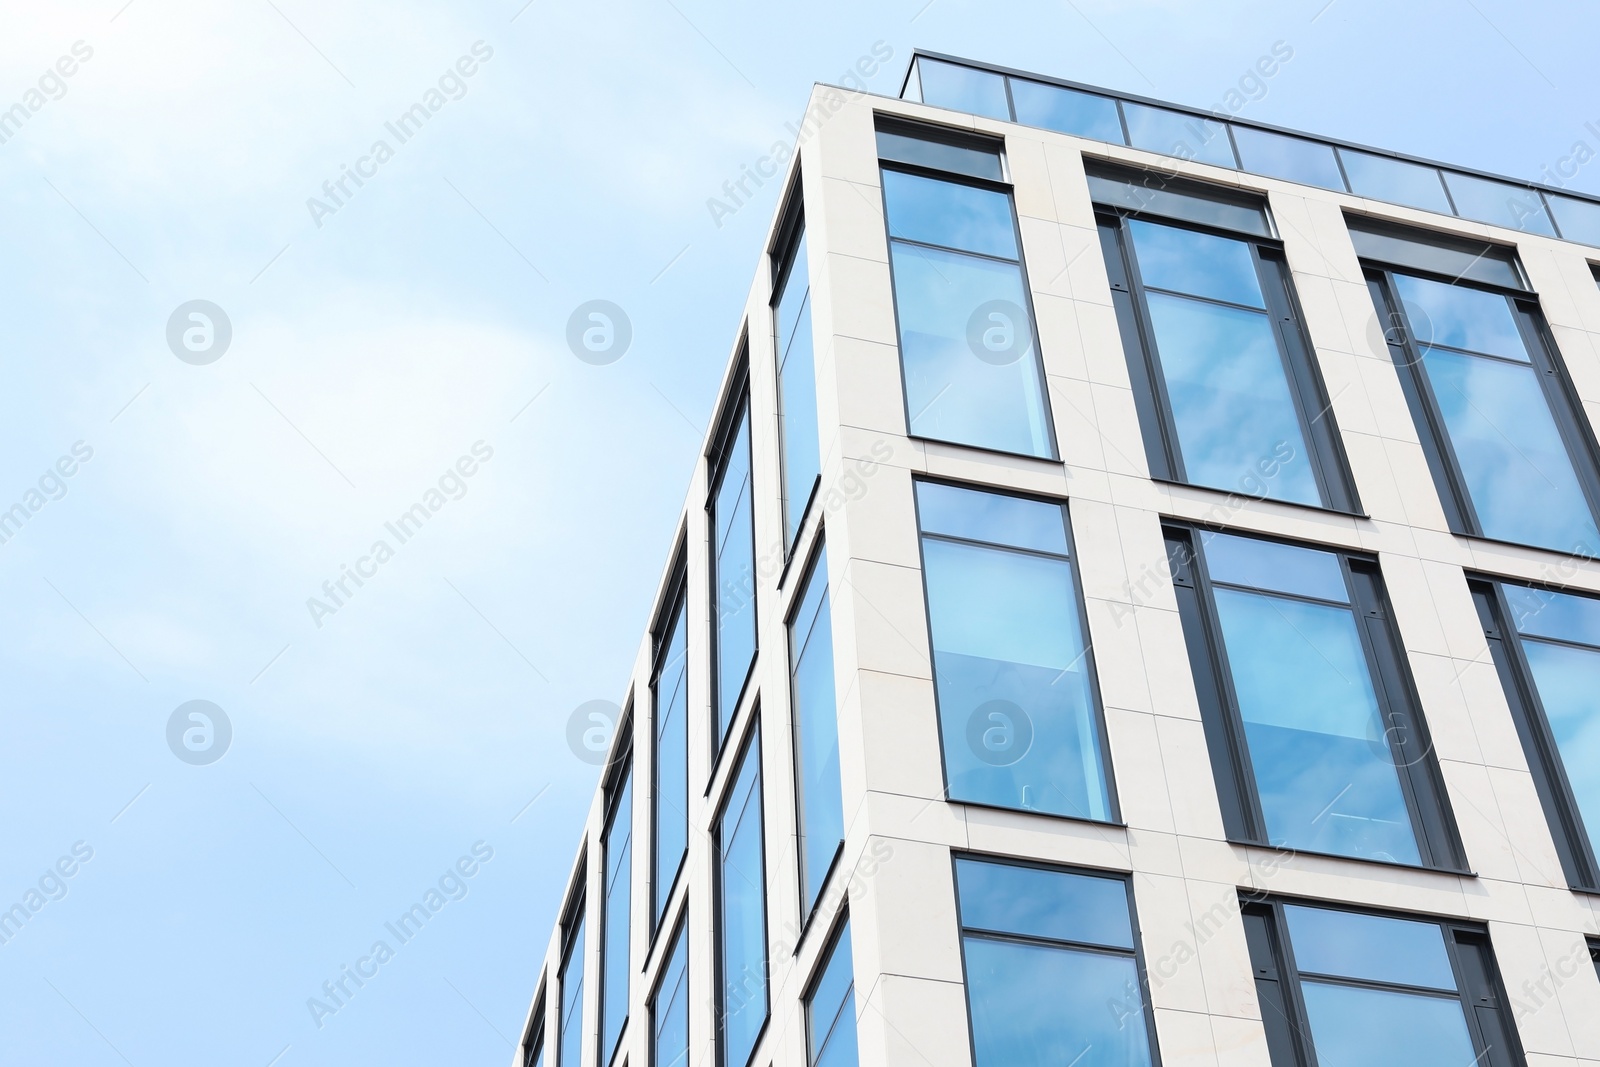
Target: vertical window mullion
(1149,394)
(1482,998)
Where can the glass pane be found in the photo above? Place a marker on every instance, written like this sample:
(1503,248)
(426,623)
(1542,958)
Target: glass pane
(980,162)
(950,214)
(1545,613)
(1235,417)
(797,393)
(966,346)
(742,922)
(1033,1006)
(1516,466)
(1146,194)
(816,728)
(736,583)
(1053,107)
(963,89)
(1270,565)
(995,517)
(1394,180)
(1567,682)
(1009,899)
(1498,203)
(572,1002)
(672,1008)
(1200,264)
(1579,219)
(1293,159)
(619,895)
(671,809)
(831,1013)
(1454,315)
(1011,676)
(1323,765)
(1174,133)
(1452,257)
(1374,947)
(1353,1027)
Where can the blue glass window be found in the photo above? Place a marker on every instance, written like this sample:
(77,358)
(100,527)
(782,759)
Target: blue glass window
(741,917)
(963,88)
(669,1038)
(1217,351)
(1293,159)
(797,388)
(1579,219)
(1415,1018)
(1053,107)
(1176,133)
(1514,465)
(1045,986)
(816,729)
(572,995)
(669,808)
(1395,180)
(1017,711)
(968,349)
(617,844)
(734,587)
(831,1009)
(1516,207)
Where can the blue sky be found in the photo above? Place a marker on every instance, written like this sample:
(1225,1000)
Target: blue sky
(372,348)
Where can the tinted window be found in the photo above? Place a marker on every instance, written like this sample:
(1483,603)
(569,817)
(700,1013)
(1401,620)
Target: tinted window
(963,89)
(1011,672)
(1499,203)
(1053,107)
(1579,219)
(572,997)
(1395,180)
(614,960)
(816,728)
(670,1010)
(1175,133)
(734,596)
(1293,159)
(670,802)
(797,389)
(831,1009)
(742,924)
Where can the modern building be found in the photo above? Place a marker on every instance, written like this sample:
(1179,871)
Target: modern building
(1139,603)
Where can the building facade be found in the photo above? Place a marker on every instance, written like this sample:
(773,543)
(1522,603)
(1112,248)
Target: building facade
(1139,603)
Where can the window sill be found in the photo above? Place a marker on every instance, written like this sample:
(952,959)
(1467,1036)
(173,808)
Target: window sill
(1209,490)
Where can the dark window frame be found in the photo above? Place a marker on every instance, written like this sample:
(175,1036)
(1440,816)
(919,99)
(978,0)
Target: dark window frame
(938,135)
(1330,465)
(678,929)
(736,410)
(839,924)
(619,771)
(781,256)
(1555,382)
(675,602)
(743,749)
(1422,785)
(808,573)
(1480,989)
(1097,702)
(1567,828)
(533,1037)
(1146,1004)
(574,914)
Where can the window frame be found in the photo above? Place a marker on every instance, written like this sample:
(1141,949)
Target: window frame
(1146,1004)
(1438,840)
(621,781)
(1572,838)
(737,411)
(1474,991)
(748,745)
(1096,700)
(1330,466)
(781,257)
(939,135)
(818,558)
(679,933)
(836,934)
(533,1038)
(675,602)
(574,919)
(1555,383)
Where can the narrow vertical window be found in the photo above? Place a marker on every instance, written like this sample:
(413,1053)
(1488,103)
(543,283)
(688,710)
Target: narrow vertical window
(617,846)
(533,1044)
(831,1009)
(669,806)
(816,735)
(969,355)
(1012,672)
(1510,452)
(741,913)
(572,991)
(1229,397)
(1310,718)
(1052,973)
(1548,658)
(733,586)
(1349,989)
(669,1007)
(797,379)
